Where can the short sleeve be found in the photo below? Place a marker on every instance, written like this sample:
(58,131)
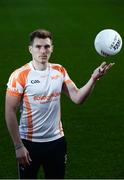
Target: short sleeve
(16,83)
(67,79)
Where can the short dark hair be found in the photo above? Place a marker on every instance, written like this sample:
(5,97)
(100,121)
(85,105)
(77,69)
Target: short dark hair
(39,33)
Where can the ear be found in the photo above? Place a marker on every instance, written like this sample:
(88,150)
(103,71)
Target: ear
(30,49)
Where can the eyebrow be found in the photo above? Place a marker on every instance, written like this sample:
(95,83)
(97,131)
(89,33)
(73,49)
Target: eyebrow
(45,46)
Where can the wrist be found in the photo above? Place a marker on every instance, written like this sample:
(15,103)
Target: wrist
(18,146)
(94,78)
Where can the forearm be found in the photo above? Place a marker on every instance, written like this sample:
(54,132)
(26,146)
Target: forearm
(85,91)
(12,125)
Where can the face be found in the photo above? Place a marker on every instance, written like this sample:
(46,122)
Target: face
(41,50)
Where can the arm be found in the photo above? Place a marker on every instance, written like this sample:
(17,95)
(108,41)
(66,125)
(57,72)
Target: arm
(78,96)
(11,119)
(11,105)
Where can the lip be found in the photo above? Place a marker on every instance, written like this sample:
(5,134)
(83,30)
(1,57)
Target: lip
(43,57)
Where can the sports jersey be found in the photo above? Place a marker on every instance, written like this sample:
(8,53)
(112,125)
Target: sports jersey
(40,92)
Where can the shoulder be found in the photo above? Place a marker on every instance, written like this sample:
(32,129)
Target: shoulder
(58,67)
(22,71)
(54,65)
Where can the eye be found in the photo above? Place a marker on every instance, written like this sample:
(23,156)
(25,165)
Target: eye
(47,46)
(38,46)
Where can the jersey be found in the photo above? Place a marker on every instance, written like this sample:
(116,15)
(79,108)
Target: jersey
(39,93)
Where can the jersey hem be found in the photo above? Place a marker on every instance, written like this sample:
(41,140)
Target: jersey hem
(44,140)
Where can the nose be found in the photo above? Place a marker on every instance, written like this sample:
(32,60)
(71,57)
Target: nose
(43,50)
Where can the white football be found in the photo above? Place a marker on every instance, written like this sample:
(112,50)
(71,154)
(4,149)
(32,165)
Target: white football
(108,42)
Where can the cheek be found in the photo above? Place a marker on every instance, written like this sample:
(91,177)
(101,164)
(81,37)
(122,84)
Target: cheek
(34,51)
(49,51)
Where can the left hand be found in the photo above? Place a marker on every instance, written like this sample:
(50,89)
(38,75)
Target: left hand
(101,70)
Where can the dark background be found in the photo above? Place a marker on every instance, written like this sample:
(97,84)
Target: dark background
(94,130)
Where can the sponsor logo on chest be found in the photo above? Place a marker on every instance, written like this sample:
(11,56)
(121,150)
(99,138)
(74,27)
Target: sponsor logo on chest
(35,81)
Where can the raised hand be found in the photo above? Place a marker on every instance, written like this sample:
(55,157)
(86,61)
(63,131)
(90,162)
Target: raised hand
(101,70)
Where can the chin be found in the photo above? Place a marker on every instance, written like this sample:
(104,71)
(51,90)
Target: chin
(44,61)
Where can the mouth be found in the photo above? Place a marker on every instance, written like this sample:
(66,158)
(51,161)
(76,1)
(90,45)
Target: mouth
(43,57)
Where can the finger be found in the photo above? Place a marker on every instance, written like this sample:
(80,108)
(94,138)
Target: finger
(19,160)
(112,64)
(102,70)
(103,65)
(29,158)
(106,67)
(22,161)
(109,66)
(27,161)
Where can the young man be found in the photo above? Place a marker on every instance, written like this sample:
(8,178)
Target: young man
(36,88)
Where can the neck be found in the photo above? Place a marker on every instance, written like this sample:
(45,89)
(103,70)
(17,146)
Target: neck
(39,66)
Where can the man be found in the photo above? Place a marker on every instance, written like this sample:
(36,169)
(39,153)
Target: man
(36,88)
